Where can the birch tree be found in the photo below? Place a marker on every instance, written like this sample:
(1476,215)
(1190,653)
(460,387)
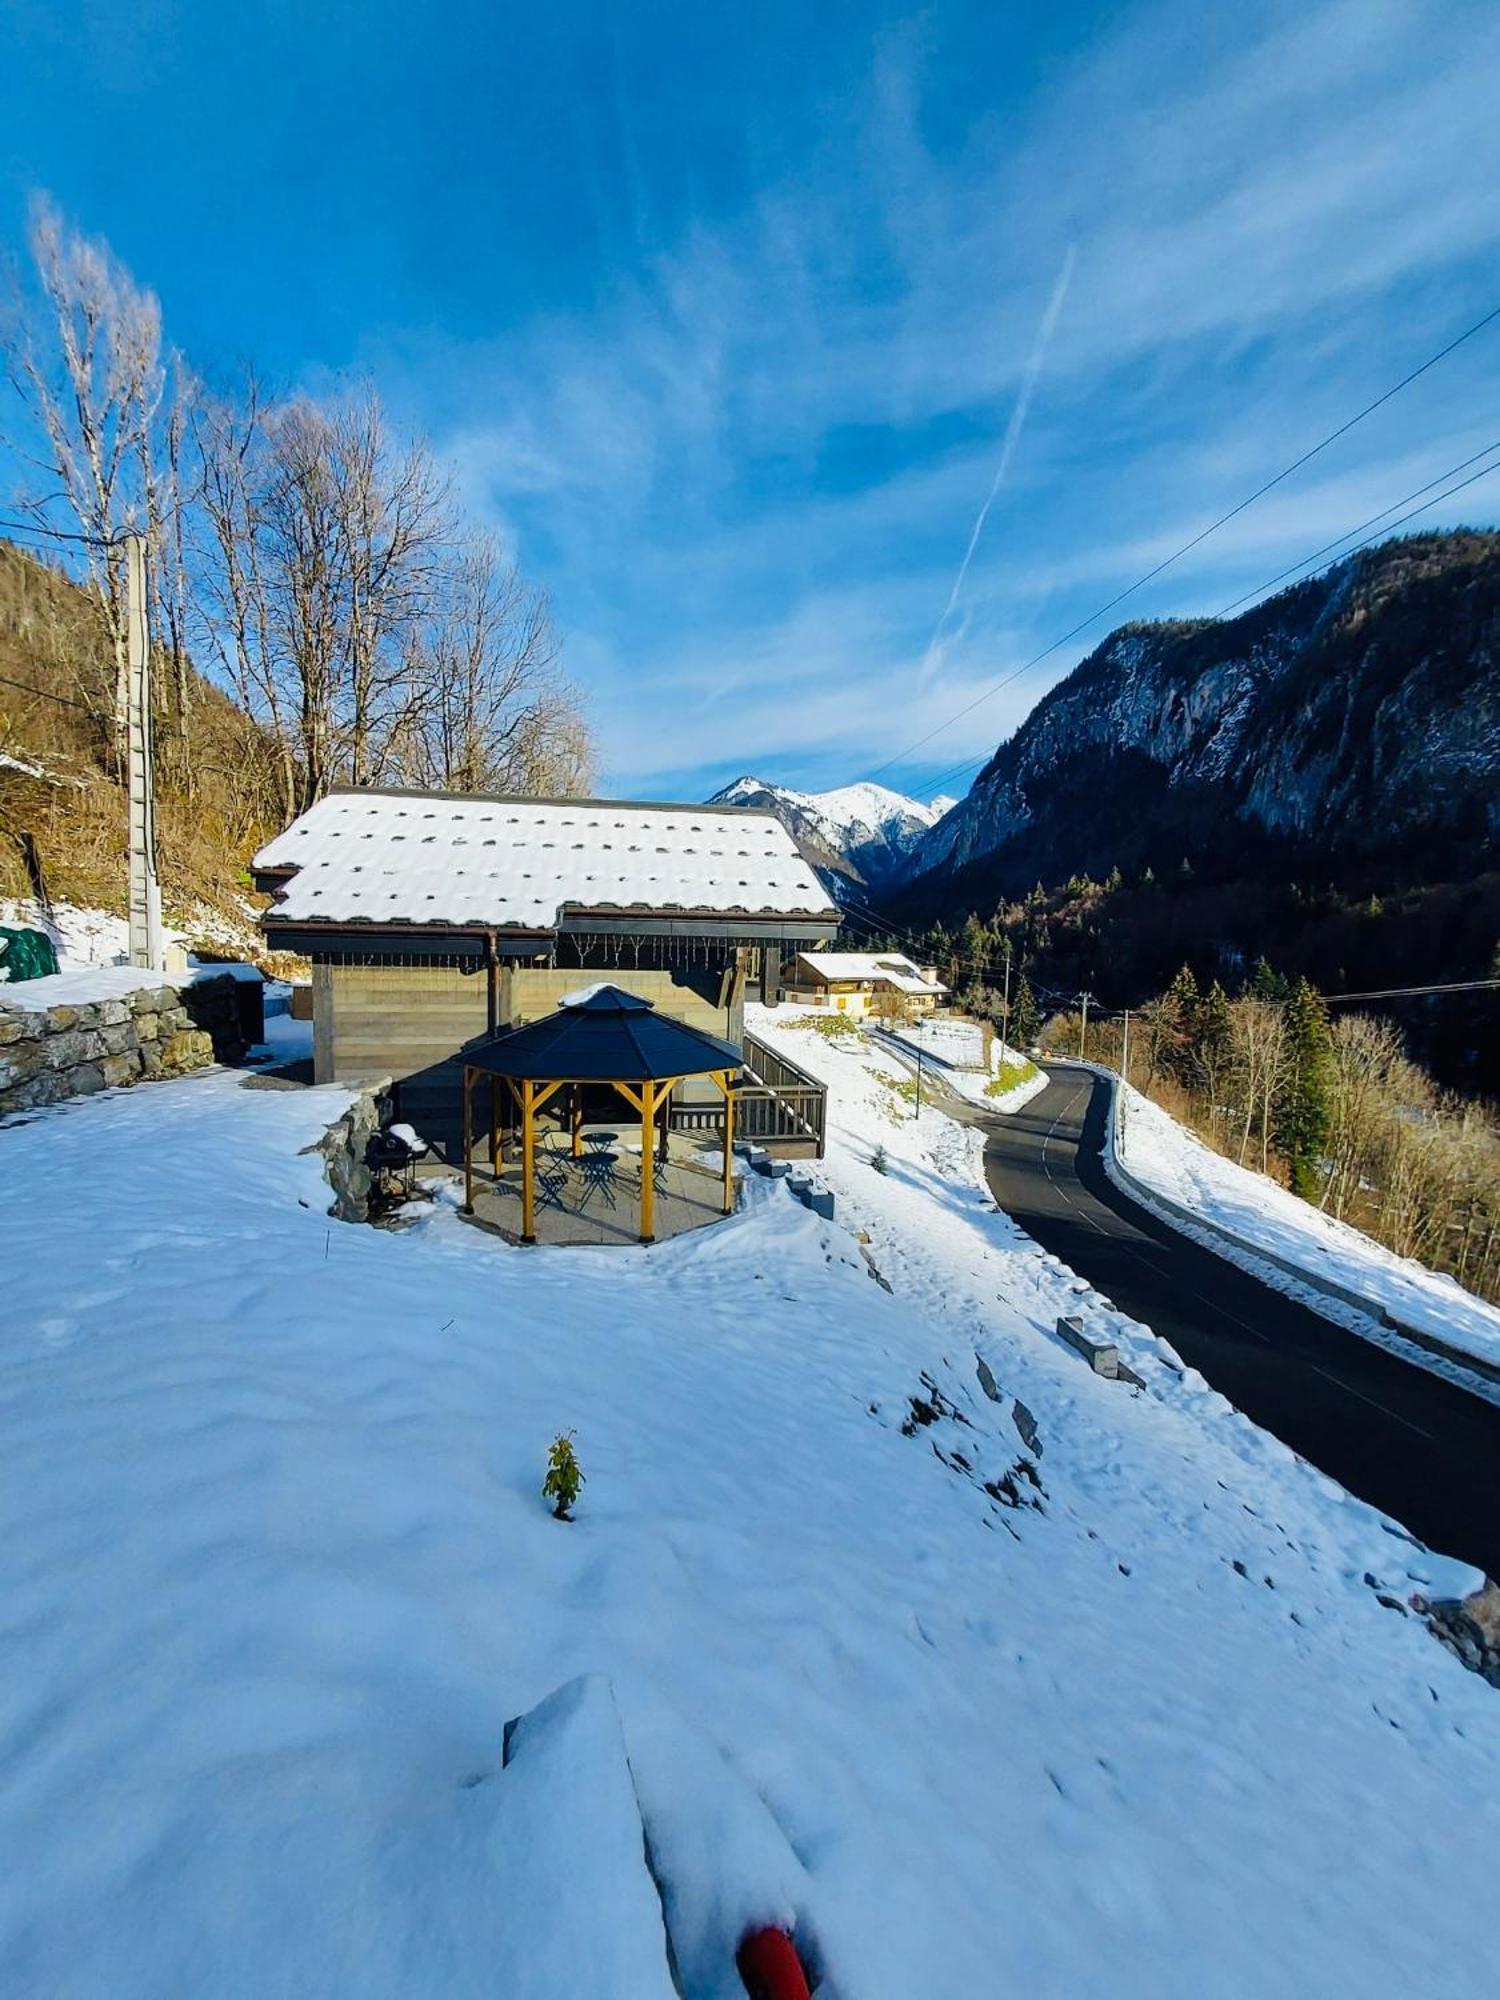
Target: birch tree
(495,713)
(83,354)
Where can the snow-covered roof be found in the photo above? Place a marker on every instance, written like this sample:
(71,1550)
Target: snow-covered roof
(886,967)
(450,859)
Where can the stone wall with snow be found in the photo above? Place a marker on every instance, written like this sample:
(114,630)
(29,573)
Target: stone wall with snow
(74,1047)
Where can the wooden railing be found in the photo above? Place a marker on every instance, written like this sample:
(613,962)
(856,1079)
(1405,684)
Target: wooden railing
(775,1104)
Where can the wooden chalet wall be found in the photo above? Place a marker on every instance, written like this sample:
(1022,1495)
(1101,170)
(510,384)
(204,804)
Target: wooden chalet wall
(408,1022)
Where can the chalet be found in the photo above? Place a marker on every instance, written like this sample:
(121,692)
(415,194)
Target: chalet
(433,919)
(858,983)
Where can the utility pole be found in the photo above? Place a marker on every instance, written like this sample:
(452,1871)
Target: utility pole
(1083,1027)
(918,1112)
(1005,1003)
(145,890)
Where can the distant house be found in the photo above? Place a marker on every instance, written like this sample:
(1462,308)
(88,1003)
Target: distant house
(433,919)
(863,982)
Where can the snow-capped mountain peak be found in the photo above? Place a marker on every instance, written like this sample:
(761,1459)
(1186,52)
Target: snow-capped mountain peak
(856,835)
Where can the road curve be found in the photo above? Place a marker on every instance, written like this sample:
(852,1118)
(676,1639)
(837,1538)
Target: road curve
(1422,1451)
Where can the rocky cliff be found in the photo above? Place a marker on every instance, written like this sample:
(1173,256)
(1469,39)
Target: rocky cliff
(1356,714)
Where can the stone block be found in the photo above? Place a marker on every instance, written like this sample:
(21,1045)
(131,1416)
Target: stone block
(155,999)
(121,1069)
(113,1012)
(84,1080)
(149,1056)
(74,1045)
(147,1027)
(60,1019)
(186,1049)
(20,1061)
(1101,1355)
(119,1038)
(14,1028)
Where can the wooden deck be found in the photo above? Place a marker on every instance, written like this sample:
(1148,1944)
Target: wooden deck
(582,1204)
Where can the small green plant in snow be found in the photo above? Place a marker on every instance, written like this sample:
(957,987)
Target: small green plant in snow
(564,1476)
(1008,1076)
(880,1160)
(831,1026)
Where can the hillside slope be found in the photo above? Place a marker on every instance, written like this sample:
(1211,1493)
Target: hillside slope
(1354,716)
(62,807)
(1003,1682)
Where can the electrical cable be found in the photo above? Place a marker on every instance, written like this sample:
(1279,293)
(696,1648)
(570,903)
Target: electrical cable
(977,763)
(1202,536)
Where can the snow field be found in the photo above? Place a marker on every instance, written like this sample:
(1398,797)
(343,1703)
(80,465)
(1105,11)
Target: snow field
(276,1571)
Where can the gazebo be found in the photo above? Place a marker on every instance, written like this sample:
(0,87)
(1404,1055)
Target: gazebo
(601,1035)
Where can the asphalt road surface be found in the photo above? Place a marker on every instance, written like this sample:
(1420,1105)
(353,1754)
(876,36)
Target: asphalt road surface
(1422,1451)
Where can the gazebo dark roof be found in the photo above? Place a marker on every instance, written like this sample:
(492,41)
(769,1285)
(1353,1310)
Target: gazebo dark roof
(608,1037)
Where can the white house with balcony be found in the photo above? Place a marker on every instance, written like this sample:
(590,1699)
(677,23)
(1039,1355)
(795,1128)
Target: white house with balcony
(863,983)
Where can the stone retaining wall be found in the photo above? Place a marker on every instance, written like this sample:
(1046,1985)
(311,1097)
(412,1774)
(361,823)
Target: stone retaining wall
(157,1031)
(344,1147)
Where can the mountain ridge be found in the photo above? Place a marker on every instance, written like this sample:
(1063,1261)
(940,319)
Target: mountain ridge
(858,836)
(1356,714)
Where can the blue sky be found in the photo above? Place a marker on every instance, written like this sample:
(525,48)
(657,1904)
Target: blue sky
(724,313)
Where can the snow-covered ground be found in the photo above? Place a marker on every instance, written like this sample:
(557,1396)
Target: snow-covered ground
(275,1571)
(1168,1159)
(93,956)
(80,936)
(955,1051)
(85,936)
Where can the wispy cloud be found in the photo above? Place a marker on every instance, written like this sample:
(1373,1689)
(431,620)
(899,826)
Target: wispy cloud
(745,464)
(1013,429)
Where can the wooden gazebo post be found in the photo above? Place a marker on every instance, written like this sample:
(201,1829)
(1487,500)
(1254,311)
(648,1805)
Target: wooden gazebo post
(725,1082)
(595,1053)
(528,1161)
(468,1143)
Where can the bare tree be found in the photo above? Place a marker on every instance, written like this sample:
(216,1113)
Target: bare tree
(495,714)
(85,360)
(394,527)
(296,544)
(1258,1062)
(233,602)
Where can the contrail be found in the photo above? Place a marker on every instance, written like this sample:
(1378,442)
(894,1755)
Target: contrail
(1034,362)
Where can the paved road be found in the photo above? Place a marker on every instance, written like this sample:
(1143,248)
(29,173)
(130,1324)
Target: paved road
(1414,1446)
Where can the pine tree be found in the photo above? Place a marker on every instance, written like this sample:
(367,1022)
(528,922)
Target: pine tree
(976,949)
(1025,1021)
(1212,1042)
(1304,1111)
(1176,1024)
(1268,984)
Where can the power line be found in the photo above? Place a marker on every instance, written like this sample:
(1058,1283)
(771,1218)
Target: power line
(63,535)
(43,694)
(860,917)
(864,918)
(975,763)
(1328,547)
(1202,536)
(1406,992)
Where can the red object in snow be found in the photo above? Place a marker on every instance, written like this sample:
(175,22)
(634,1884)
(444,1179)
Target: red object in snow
(769,1965)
